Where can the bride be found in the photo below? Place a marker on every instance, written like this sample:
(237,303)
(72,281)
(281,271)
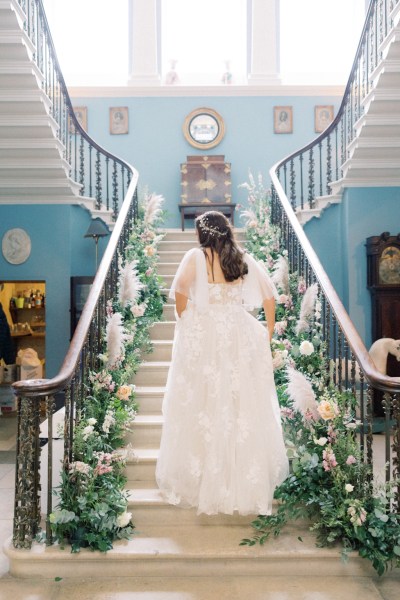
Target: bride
(222,448)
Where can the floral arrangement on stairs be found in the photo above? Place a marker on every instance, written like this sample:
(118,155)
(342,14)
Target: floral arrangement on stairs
(92,510)
(329,484)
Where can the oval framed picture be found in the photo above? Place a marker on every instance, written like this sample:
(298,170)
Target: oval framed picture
(16,246)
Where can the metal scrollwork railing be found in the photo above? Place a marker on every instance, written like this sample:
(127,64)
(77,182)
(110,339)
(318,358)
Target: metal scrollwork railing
(97,172)
(114,183)
(348,360)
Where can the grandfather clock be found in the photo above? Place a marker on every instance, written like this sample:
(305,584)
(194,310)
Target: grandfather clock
(383,262)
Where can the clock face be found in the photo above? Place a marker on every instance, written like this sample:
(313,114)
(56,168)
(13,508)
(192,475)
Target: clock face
(389,266)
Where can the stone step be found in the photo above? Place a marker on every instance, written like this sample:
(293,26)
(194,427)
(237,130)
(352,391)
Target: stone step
(167,268)
(163,330)
(190,235)
(152,373)
(195,551)
(162,349)
(145,431)
(176,245)
(150,399)
(149,509)
(170,256)
(142,469)
(169,312)
(166,280)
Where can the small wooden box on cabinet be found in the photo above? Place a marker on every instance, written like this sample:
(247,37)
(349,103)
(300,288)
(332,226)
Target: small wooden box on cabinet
(206,185)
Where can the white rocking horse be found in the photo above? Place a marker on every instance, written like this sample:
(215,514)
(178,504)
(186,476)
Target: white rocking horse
(379,352)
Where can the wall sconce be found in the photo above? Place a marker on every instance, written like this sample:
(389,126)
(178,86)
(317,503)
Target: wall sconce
(97,229)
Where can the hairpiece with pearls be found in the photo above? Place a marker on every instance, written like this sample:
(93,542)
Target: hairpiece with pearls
(205,226)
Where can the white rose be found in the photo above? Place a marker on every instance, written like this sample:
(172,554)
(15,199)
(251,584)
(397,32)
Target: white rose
(92,421)
(348,487)
(87,431)
(306,348)
(321,441)
(123,519)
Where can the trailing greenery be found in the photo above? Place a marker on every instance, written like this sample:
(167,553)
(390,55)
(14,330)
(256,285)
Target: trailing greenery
(329,483)
(92,510)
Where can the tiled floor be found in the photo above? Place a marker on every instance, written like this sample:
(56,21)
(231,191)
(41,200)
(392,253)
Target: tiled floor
(171,588)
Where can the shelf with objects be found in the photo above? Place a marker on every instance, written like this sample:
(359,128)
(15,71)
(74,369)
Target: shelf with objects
(24,307)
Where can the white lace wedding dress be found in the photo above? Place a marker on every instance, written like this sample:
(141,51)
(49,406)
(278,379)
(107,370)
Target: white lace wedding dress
(222,447)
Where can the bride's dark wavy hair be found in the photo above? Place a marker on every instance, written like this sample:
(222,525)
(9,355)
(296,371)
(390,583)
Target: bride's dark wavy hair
(215,232)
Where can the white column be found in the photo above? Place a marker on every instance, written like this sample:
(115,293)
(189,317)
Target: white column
(264,62)
(143,42)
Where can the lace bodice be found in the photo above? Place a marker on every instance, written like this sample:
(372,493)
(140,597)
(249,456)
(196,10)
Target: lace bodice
(225,293)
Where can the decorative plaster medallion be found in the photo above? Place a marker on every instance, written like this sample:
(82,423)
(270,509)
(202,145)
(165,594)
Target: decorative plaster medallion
(16,246)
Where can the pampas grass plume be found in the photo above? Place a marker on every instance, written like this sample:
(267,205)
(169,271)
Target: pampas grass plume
(307,308)
(129,284)
(300,391)
(280,275)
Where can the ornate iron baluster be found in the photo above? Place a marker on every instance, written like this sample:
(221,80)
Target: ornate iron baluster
(301,183)
(370,439)
(115,189)
(292,185)
(27,476)
(396,448)
(387,409)
(98,181)
(50,406)
(311,193)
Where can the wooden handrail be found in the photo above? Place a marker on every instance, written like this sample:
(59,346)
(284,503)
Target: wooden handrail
(374,377)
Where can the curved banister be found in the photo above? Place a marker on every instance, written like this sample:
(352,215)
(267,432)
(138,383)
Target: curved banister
(293,188)
(96,169)
(376,379)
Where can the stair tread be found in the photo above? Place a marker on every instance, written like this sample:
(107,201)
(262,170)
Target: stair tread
(148,419)
(145,455)
(200,542)
(155,363)
(148,390)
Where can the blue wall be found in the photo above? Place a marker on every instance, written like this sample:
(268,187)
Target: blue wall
(339,238)
(59,251)
(156,145)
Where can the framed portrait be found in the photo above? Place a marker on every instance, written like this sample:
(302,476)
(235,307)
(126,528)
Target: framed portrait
(323,116)
(81,115)
(283,119)
(119,120)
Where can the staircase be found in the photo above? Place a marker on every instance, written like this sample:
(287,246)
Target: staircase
(191,551)
(33,165)
(372,155)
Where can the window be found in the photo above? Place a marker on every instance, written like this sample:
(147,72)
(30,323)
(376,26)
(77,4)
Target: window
(91,40)
(319,39)
(202,36)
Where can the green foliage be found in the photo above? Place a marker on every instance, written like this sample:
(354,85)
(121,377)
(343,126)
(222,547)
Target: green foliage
(329,482)
(92,509)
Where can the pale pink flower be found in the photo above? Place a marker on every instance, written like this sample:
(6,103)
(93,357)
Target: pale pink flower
(301,288)
(280,327)
(329,459)
(351,460)
(138,310)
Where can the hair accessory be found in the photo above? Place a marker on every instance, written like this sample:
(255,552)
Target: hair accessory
(204,226)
